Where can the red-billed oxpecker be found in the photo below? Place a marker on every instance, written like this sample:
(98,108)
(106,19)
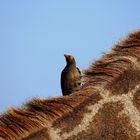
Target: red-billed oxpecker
(70,76)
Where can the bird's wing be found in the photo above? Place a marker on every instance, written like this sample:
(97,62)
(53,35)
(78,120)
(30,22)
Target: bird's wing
(80,76)
(79,71)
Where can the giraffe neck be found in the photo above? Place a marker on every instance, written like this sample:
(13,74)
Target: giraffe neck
(107,107)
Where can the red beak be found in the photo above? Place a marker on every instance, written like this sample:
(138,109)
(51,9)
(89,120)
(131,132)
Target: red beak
(66,55)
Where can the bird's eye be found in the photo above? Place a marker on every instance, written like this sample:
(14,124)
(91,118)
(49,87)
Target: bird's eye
(71,57)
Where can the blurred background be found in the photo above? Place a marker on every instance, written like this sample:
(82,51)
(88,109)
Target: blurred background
(35,34)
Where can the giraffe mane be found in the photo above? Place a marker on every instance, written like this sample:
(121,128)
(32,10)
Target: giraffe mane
(39,113)
(116,61)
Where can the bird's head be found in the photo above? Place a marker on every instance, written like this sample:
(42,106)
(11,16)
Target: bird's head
(70,59)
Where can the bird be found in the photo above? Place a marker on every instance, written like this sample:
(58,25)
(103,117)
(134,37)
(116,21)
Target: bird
(70,76)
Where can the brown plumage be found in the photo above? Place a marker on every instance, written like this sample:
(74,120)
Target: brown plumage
(70,76)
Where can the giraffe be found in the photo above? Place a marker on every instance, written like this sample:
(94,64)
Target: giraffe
(107,107)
